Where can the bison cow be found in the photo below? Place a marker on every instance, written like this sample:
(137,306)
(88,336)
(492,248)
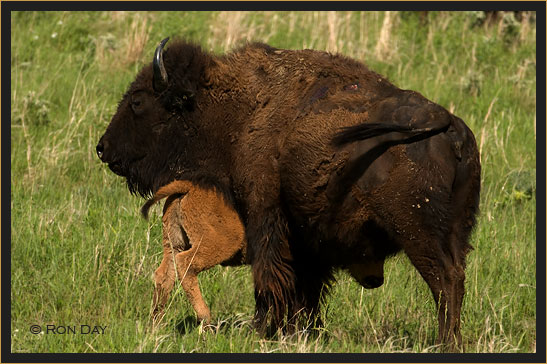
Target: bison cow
(327,163)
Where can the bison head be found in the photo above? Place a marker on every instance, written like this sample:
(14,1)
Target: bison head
(153,117)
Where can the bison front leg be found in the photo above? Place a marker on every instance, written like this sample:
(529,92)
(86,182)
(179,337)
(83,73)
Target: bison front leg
(312,284)
(273,274)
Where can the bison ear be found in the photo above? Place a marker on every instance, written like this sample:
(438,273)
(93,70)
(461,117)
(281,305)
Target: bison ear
(160,80)
(188,95)
(184,100)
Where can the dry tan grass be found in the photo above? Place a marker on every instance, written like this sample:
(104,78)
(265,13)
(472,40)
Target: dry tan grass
(332,31)
(138,36)
(118,15)
(385,48)
(483,130)
(333,21)
(526,29)
(229,29)
(113,54)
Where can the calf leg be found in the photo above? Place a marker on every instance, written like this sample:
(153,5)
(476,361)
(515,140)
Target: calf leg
(165,281)
(188,272)
(165,275)
(204,254)
(215,234)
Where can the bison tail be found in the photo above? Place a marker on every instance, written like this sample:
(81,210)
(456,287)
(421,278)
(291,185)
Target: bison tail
(364,131)
(173,188)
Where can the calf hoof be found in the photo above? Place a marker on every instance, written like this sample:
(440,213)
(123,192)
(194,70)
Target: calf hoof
(156,317)
(204,319)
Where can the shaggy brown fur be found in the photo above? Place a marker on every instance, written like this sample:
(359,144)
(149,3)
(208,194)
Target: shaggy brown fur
(327,163)
(200,230)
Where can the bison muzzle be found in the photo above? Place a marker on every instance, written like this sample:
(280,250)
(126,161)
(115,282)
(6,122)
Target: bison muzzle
(327,164)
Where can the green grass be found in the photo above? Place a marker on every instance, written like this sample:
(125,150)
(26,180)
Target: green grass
(82,255)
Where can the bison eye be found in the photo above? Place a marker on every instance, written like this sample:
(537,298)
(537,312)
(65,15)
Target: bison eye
(137,106)
(138,101)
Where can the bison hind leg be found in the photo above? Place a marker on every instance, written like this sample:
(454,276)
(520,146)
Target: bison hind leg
(445,275)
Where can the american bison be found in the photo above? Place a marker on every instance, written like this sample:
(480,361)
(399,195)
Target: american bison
(200,230)
(326,162)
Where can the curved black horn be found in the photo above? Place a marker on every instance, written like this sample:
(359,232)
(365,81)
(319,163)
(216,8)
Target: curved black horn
(160,74)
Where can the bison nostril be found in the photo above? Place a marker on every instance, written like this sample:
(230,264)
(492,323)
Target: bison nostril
(100,150)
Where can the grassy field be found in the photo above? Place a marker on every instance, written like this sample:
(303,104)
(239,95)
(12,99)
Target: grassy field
(81,255)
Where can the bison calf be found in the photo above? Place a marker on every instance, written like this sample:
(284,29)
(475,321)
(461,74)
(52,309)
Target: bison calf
(200,230)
